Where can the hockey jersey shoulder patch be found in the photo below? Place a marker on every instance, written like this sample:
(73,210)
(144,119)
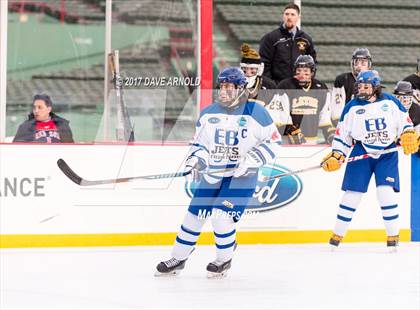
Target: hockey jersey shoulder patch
(354,103)
(390,97)
(258,113)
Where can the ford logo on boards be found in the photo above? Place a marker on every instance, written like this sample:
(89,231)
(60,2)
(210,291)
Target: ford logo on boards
(268,195)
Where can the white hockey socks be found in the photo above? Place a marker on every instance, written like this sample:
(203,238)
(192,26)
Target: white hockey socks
(187,236)
(346,209)
(388,200)
(224,235)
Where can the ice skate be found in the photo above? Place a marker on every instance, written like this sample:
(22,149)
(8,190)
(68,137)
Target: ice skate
(392,243)
(218,269)
(335,241)
(171,267)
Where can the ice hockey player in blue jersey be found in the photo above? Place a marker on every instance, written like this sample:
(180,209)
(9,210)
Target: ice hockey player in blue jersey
(232,133)
(370,123)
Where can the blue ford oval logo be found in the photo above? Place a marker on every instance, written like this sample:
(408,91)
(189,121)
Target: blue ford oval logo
(268,195)
(360,111)
(214,120)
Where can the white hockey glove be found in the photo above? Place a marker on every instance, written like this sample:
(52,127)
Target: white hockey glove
(193,166)
(248,165)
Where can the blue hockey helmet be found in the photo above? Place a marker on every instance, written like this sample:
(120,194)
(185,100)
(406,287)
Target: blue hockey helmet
(232,75)
(231,97)
(368,77)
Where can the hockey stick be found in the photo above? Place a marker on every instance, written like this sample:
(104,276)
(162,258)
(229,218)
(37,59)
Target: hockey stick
(65,168)
(125,129)
(358,157)
(350,159)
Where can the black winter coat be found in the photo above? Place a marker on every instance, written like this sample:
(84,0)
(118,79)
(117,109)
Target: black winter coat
(279,51)
(26,131)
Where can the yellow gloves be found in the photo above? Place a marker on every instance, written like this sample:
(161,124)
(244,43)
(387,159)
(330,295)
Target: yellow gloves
(333,161)
(409,141)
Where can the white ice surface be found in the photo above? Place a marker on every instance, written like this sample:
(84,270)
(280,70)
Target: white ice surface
(357,276)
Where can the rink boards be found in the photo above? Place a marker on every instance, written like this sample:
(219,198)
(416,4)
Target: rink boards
(39,206)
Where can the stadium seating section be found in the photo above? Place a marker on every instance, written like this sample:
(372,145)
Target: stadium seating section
(389,28)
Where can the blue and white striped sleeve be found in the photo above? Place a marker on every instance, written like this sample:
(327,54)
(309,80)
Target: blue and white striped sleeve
(270,145)
(199,144)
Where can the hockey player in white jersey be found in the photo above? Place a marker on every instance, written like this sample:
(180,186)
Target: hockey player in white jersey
(370,124)
(235,134)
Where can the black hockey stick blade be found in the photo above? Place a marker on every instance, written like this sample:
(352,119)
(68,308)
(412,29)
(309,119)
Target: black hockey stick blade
(68,172)
(65,168)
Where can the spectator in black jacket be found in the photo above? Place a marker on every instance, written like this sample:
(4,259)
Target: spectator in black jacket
(280,48)
(43,125)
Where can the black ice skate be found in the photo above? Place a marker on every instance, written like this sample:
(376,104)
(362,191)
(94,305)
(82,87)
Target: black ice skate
(392,243)
(218,269)
(335,241)
(171,267)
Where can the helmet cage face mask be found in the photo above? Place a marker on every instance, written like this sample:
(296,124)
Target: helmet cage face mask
(254,69)
(363,80)
(404,93)
(228,93)
(303,78)
(364,92)
(406,100)
(231,82)
(304,61)
(358,55)
(356,61)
